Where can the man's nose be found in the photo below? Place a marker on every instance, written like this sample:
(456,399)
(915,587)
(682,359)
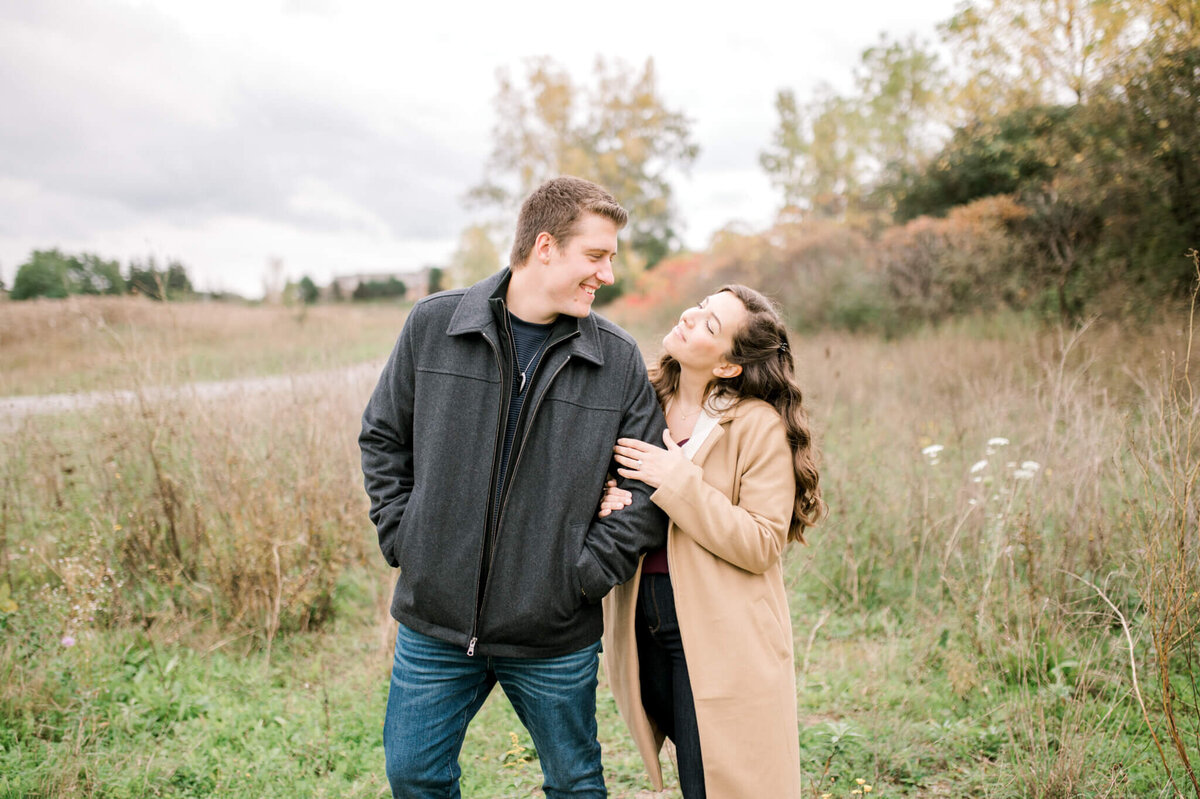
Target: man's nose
(605,273)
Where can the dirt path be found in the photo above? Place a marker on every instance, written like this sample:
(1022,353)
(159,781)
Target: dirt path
(14,409)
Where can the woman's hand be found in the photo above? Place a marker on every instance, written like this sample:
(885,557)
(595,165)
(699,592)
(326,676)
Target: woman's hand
(646,462)
(613,498)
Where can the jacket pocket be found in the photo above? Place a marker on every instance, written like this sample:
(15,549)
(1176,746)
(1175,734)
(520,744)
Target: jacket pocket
(773,636)
(573,596)
(404,526)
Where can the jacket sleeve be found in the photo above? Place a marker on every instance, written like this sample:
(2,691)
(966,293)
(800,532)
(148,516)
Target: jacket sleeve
(614,545)
(751,534)
(386,442)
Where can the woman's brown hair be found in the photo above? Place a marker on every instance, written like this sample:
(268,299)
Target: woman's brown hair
(761,348)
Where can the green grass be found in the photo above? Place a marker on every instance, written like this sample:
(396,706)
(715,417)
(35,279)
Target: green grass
(130,713)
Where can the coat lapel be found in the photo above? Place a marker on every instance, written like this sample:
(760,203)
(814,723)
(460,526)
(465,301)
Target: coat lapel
(708,431)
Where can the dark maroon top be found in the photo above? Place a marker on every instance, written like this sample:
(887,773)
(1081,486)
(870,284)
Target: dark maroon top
(656,560)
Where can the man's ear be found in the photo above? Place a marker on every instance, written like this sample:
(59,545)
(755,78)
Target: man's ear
(727,370)
(543,245)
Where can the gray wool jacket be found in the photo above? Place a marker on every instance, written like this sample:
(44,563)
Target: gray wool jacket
(524,576)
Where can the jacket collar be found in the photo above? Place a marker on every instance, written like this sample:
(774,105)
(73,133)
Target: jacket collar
(478,309)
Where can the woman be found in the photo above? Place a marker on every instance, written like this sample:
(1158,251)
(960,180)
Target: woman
(698,645)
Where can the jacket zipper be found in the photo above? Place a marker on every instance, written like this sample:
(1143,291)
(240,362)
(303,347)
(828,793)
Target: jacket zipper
(493,533)
(524,437)
(506,388)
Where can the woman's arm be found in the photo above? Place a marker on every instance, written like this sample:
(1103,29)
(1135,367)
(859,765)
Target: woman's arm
(752,533)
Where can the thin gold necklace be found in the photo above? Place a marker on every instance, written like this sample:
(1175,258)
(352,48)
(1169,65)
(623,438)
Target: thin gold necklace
(684,416)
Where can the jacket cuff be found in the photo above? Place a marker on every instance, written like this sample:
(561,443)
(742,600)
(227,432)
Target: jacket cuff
(593,586)
(673,486)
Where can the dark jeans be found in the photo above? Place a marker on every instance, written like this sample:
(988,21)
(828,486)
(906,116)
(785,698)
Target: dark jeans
(666,689)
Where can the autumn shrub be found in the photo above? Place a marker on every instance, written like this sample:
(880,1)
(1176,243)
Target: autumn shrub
(821,273)
(967,262)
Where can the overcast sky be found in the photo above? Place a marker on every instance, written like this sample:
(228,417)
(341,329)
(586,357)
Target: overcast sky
(341,135)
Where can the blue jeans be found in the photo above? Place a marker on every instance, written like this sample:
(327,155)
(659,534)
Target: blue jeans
(437,689)
(666,686)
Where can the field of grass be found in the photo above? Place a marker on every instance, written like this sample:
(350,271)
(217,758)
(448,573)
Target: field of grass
(101,343)
(1003,603)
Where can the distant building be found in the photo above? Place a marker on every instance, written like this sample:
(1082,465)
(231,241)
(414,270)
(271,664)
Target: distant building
(416,281)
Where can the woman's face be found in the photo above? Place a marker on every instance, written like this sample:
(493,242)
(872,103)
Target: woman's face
(704,335)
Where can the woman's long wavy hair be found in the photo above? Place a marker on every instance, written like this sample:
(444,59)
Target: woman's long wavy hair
(761,348)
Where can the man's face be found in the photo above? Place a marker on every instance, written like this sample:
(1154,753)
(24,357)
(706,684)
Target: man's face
(570,276)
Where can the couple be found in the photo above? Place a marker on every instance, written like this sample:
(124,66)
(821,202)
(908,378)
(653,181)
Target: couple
(484,446)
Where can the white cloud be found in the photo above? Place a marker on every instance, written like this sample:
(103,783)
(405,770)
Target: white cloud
(342,136)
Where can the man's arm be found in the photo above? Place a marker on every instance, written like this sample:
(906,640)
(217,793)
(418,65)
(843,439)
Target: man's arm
(614,543)
(386,442)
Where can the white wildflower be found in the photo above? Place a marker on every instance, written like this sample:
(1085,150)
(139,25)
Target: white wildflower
(979,466)
(932,450)
(1024,474)
(998,441)
(1031,466)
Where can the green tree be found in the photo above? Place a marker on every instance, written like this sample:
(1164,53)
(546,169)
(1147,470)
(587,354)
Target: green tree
(786,160)
(901,86)
(1013,153)
(92,274)
(380,289)
(816,156)
(45,274)
(619,133)
(309,293)
(436,278)
(171,282)
(1162,107)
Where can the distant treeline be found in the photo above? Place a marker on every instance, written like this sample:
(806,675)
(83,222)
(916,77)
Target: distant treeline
(54,274)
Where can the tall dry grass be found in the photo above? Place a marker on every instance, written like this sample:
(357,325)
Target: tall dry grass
(240,512)
(102,343)
(1165,520)
(1032,491)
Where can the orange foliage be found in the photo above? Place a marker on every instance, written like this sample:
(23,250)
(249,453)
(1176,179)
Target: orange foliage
(964,262)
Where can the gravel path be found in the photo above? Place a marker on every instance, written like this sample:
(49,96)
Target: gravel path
(14,409)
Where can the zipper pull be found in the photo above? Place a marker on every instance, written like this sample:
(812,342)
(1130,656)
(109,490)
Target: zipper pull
(471,648)
(522,388)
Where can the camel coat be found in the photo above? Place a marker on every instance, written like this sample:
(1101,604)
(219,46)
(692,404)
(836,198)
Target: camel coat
(729,508)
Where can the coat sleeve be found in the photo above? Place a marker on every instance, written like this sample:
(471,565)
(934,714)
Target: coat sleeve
(752,533)
(386,442)
(613,545)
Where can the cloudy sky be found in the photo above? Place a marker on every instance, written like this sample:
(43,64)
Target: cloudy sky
(340,136)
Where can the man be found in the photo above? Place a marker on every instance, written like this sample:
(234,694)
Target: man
(485,447)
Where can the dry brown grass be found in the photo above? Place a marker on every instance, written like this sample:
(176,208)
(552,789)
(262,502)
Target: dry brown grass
(101,343)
